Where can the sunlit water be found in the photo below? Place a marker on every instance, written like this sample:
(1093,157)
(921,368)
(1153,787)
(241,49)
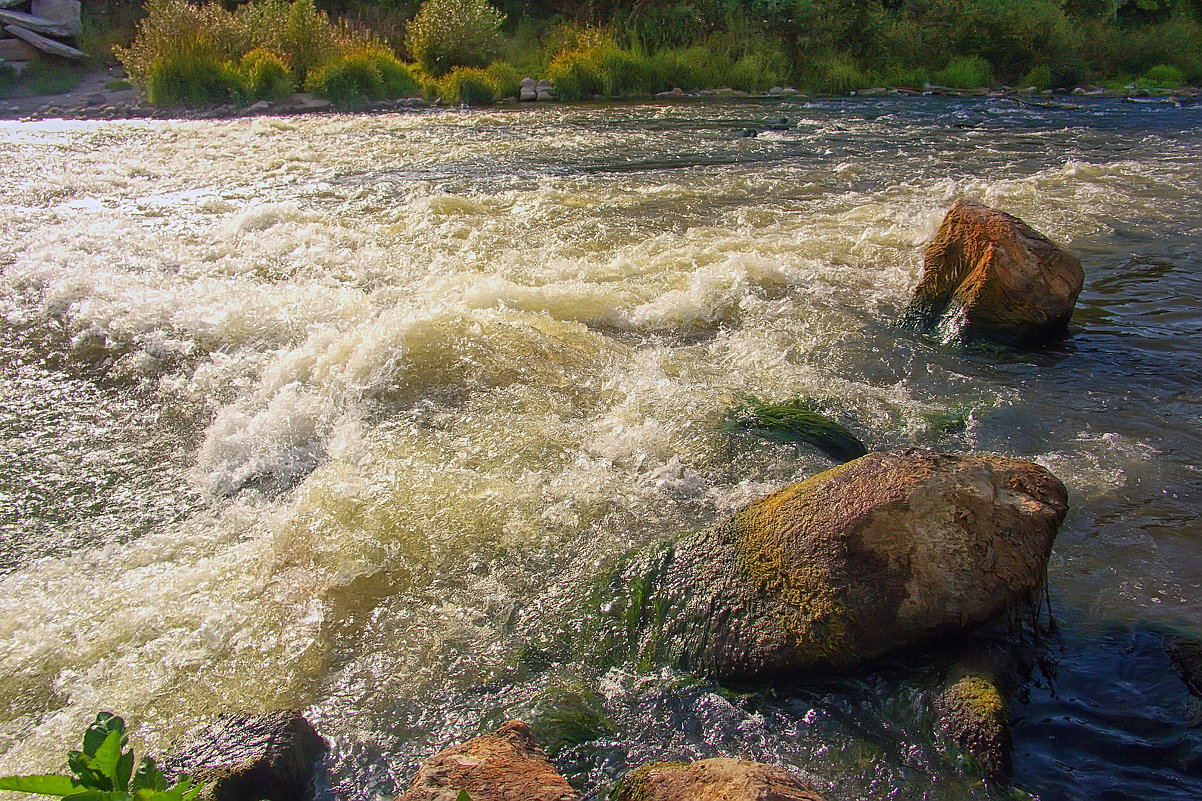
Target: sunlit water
(349,413)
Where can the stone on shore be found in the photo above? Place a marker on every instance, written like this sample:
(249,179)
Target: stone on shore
(505,765)
(876,555)
(64,13)
(31,22)
(251,757)
(46,45)
(989,276)
(713,780)
(17,50)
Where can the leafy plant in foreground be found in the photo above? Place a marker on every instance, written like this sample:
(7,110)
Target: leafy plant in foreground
(103,770)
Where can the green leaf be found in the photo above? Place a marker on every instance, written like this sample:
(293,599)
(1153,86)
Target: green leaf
(463,796)
(49,784)
(125,766)
(96,795)
(148,777)
(106,759)
(106,724)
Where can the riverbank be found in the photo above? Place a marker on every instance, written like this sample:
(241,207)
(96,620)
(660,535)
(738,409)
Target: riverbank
(105,95)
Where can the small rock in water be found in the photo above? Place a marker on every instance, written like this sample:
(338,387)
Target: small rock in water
(505,765)
(725,779)
(252,757)
(971,710)
(989,276)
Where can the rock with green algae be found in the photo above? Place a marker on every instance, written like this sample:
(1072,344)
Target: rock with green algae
(989,276)
(971,711)
(876,555)
(713,780)
(504,765)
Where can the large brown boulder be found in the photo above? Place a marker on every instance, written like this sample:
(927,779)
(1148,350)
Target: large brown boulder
(713,780)
(990,276)
(505,765)
(870,557)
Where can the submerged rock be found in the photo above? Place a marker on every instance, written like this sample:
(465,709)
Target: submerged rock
(870,557)
(989,276)
(252,757)
(506,765)
(713,780)
(795,421)
(971,711)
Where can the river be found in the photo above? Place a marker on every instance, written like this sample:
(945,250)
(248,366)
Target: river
(349,412)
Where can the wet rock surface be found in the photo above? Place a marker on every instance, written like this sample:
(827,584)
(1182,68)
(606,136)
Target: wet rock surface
(989,276)
(713,780)
(874,556)
(251,757)
(504,765)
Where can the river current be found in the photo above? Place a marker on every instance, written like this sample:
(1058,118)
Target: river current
(349,413)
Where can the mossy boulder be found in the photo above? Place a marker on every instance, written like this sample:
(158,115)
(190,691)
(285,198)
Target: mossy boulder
(989,276)
(712,780)
(971,712)
(504,765)
(876,555)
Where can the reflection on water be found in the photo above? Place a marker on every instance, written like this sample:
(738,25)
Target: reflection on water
(350,412)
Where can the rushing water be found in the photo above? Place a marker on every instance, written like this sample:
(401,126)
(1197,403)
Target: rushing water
(349,413)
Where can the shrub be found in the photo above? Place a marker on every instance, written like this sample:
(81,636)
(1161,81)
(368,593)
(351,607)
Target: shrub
(468,85)
(192,75)
(175,32)
(372,74)
(760,70)
(266,75)
(505,77)
(1163,76)
(574,74)
(454,33)
(965,73)
(173,27)
(907,77)
(838,76)
(1040,77)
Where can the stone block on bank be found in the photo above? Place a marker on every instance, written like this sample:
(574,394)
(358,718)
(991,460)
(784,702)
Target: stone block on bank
(44,44)
(267,757)
(64,13)
(18,50)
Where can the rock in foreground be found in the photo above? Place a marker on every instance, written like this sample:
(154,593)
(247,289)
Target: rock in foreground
(990,276)
(870,557)
(971,712)
(713,780)
(252,757)
(506,765)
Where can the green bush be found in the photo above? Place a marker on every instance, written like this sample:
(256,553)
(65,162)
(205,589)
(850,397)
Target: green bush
(505,77)
(173,28)
(194,75)
(397,78)
(907,77)
(965,73)
(454,33)
(468,85)
(1040,77)
(574,74)
(838,76)
(1163,76)
(266,76)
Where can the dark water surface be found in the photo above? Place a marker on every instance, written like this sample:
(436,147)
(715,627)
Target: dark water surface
(350,412)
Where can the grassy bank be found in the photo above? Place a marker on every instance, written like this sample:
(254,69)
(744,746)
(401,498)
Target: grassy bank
(352,51)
